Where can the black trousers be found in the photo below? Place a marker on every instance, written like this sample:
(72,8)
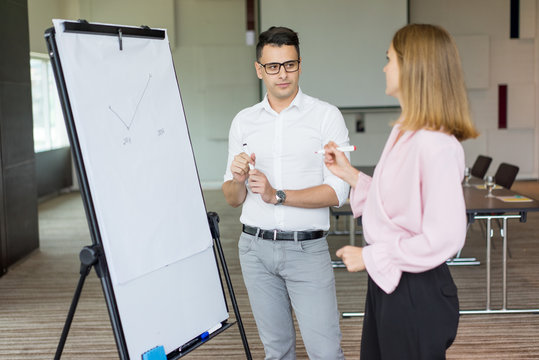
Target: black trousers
(418,321)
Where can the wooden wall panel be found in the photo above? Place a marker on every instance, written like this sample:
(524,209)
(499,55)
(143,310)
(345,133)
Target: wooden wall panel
(18,195)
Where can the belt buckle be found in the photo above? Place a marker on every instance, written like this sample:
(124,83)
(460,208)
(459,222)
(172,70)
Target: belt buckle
(274,234)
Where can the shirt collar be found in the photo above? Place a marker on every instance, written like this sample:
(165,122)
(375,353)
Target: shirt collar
(298,102)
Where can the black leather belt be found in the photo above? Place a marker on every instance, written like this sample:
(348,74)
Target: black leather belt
(284,235)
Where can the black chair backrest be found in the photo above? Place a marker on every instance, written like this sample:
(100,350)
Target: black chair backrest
(505,175)
(480,166)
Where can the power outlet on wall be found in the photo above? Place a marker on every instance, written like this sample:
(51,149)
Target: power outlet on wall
(360,124)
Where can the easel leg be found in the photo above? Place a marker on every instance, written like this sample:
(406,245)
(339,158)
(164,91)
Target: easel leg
(213,219)
(88,258)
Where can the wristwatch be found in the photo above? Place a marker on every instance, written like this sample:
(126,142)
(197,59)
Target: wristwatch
(280,195)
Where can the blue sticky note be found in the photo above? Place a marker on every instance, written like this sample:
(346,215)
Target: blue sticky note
(157,353)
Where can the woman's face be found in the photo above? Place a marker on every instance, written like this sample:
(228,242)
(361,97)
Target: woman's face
(392,73)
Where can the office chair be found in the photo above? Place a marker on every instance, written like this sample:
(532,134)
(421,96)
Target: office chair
(480,166)
(506,175)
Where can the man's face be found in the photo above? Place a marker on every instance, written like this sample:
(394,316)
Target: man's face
(282,86)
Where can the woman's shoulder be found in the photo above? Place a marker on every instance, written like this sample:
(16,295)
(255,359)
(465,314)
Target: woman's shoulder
(438,146)
(436,137)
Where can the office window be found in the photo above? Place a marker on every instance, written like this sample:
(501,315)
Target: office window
(49,127)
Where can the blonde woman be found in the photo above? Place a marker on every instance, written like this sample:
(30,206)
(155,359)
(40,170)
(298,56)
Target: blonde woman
(414,216)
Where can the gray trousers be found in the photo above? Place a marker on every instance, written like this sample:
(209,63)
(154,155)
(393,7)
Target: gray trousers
(281,275)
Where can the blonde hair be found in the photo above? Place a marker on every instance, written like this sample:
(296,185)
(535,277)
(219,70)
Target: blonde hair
(433,93)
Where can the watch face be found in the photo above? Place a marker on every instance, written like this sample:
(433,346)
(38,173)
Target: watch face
(281,196)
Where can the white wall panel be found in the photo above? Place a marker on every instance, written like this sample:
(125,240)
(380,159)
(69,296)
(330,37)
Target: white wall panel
(527,19)
(521,106)
(474,53)
(512,61)
(514,147)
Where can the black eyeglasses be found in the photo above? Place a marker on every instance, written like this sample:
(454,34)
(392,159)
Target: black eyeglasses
(275,68)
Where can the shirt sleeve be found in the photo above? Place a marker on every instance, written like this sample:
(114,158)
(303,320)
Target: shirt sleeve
(358,194)
(334,129)
(234,147)
(443,223)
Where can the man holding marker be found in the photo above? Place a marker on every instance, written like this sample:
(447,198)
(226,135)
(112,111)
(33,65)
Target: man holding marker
(286,196)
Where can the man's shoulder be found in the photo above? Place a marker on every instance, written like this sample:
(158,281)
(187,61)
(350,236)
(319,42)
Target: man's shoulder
(249,111)
(312,101)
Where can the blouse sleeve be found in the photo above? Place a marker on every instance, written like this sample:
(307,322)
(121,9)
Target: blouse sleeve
(358,194)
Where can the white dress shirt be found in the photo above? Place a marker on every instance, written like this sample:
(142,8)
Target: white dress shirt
(284,145)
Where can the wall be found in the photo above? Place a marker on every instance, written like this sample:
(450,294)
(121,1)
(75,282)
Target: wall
(51,166)
(40,15)
(216,75)
(371,141)
(54,171)
(490,58)
(214,65)
(18,194)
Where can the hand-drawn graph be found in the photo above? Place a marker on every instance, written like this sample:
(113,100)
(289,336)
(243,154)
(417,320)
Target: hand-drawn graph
(128,123)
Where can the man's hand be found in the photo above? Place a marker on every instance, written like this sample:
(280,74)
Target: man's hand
(235,190)
(352,257)
(240,166)
(260,185)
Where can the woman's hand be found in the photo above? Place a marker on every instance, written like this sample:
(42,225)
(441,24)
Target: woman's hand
(339,164)
(352,257)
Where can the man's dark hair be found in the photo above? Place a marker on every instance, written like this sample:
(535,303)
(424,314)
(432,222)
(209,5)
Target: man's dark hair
(277,35)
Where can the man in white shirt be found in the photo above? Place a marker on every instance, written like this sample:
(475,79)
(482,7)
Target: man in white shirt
(286,191)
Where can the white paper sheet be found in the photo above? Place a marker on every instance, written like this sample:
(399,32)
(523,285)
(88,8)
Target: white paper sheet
(136,150)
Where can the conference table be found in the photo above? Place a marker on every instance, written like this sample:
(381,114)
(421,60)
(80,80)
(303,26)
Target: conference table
(504,205)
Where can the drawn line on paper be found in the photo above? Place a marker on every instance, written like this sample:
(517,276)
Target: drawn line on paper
(130,123)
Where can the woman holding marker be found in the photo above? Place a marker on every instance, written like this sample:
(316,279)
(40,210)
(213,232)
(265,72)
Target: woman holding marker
(340,148)
(412,209)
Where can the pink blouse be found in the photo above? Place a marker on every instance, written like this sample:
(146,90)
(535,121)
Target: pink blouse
(414,215)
